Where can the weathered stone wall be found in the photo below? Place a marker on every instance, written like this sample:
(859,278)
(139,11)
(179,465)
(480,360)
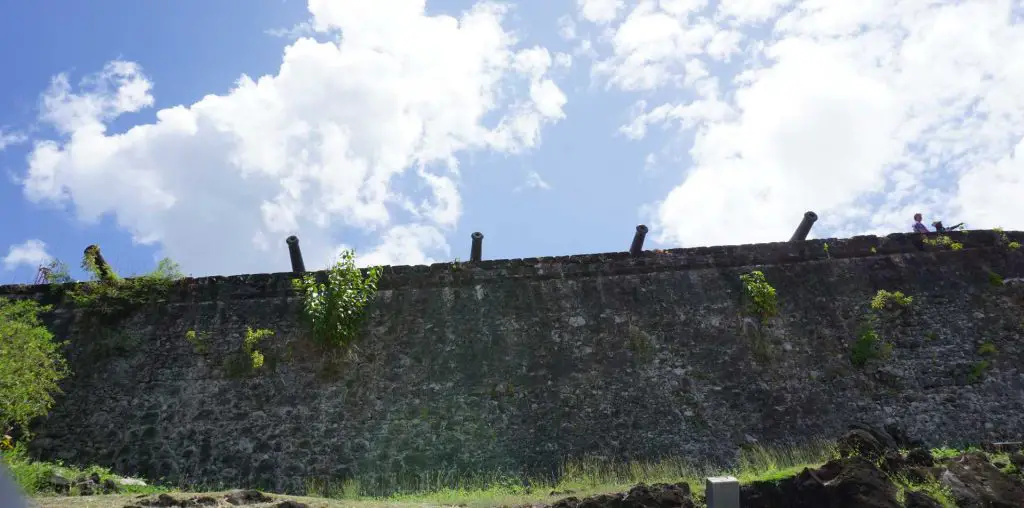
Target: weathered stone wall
(519,364)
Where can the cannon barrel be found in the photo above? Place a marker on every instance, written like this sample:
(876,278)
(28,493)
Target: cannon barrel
(805,227)
(295,253)
(476,251)
(103,270)
(637,247)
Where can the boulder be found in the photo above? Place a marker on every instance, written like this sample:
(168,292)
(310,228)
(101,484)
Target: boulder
(851,482)
(977,483)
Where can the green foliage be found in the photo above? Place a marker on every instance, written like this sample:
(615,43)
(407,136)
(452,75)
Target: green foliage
(760,295)
(33,477)
(335,311)
(31,364)
(978,370)
(106,299)
(869,346)
(1005,240)
(885,300)
(200,342)
(987,348)
(249,360)
(825,248)
(995,279)
(874,250)
(252,339)
(56,272)
(943,241)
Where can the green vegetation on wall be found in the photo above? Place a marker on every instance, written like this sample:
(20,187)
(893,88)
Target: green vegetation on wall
(109,297)
(760,297)
(31,364)
(335,311)
(869,344)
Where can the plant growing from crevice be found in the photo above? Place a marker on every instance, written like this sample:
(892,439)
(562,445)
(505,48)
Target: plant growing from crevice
(334,311)
(31,365)
(994,278)
(943,241)
(200,341)
(978,370)
(869,346)
(1005,239)
(760,297)
(987,349)
(890,300)
(825,248)
(249,359)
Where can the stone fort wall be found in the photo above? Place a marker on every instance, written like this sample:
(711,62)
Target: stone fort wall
(520,364)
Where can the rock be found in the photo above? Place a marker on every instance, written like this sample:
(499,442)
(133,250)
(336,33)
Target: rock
(852,482)
(921,500)
(109,486)
(243,497)
(59,484)
(893,462)
(920,457)
(131,481)
(291,504)
(659,495)
(860,442)
(1017,459)
(977,483)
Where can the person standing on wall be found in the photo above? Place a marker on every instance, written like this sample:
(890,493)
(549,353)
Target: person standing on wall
(918,226)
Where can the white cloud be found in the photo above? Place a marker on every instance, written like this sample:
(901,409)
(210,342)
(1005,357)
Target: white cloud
(10,138)
(599,11)
(320,148)
(32,253)
(864,112)
(534,181)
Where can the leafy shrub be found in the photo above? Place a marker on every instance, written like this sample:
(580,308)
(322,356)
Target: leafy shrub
(252,339)
(944,241)
(56,272)
(760,295)
(868,346)
(335,311)
(31,364)
(886,300)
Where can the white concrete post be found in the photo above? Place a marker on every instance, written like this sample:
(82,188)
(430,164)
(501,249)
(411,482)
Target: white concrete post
(722,492)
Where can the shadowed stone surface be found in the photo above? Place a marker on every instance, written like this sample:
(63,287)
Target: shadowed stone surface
(519,364)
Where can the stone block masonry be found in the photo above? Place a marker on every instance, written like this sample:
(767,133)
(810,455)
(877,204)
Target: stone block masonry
(520,364)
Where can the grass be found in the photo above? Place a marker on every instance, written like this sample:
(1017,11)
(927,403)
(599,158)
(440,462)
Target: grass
(580,478)
(33,476)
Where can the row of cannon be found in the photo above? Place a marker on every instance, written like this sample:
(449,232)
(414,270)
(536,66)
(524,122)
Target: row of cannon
(476,247)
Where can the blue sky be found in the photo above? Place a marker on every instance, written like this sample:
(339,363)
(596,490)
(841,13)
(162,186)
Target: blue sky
(210,131)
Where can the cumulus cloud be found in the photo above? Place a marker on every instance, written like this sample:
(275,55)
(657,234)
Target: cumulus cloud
(337,142)
(864,112)
(31,253)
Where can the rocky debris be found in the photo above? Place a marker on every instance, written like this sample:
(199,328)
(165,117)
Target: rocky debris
(870,473)
(244,497)
(976,482)
(847,482)
(85,485)
(235,498)
(659,495)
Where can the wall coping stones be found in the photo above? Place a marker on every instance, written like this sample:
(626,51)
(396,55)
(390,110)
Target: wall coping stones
(269,285)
